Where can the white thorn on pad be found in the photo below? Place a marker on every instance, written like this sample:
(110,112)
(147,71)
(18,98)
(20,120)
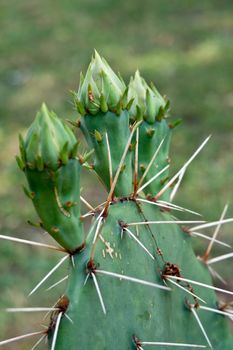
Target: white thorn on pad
(201,327)
(139,242)
(20,337)
(98,292)
(132,279)
(56,331)
(49,274)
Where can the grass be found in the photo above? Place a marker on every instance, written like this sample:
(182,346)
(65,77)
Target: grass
(185,47)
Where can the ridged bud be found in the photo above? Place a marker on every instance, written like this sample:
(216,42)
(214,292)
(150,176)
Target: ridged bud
(48,143)
(100,89)
(147,102)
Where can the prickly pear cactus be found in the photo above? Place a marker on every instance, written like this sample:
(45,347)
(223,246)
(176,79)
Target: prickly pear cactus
(134,280)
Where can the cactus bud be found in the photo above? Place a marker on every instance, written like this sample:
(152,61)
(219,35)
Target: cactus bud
(101,88)
(48,141)
(147,99)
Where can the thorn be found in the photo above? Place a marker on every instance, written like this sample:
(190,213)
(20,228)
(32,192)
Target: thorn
(68,318)
(177,185)
(86,279)
(153,178)
(217,275)
(32,309)
(170,182)
(174,344)
(57,283)
(210,246)
(168,205)
(220,258)
(98,292)
(72,261)
(201,327)
(201,284)
(198,234)
(186,290)
(215,310)
(48,275)
(11,340)
(210,224)
(19,240)
(97,229)
(38,342)
(86,203)
(119,168)
(136,164)
(56,331)
(109,159)
(150,163)
(139,242)
(162,222)
(132,279)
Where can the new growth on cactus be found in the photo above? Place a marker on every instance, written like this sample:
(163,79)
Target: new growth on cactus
(134,281)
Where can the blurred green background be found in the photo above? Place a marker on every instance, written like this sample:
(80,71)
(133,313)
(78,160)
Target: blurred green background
(184,47)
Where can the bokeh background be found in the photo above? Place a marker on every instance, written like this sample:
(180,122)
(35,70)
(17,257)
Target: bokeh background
(184,47)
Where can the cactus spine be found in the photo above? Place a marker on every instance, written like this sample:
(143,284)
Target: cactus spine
(134,280)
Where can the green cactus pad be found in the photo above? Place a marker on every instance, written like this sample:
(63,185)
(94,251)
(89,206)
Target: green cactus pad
(152,314)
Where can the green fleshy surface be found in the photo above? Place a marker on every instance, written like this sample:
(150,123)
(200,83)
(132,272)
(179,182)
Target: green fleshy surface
(134,309)
(118,131)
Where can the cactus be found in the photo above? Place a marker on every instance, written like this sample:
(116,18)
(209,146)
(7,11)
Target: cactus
(134,280)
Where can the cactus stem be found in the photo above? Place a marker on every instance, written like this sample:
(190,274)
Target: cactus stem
(98,292)
(19,240)
(48,274)
(132,279)
(57,283)
(211,224)
(150,163)
(171,181)
(56,330)
(201,284)
(39,341)
(136,164)
(217,311)
(201,326)
(89,206)
(110,195)
(139,242)
(186,290)
(177,185)
(198,234)
(162,222)
(153,178)
(215,274)
(216,231)
(109,160)
(28,335)
(220,258)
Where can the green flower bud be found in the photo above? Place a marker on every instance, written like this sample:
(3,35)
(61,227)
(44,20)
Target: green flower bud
(145,99)
(49,142)
(101,88)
